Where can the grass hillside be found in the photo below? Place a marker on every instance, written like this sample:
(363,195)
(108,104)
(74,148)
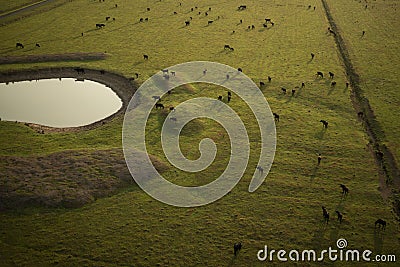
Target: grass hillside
(130,228)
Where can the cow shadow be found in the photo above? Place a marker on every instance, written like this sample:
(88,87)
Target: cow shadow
(320,134)
(378,240)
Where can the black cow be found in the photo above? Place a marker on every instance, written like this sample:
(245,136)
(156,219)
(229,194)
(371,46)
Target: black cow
(37,45)
(380,223)
(319,73)
(325,214)
(19,45)
(187,23)
(242,7)
(145,57)
(276,116)
(159,105)
(339,216)
(283,90)
(80,70)
(331,75)
(240,70)
(269,79)
(324,123)
(262,84)
(236,248)
(100,25)
(333,84)
(345,190)
(210,21)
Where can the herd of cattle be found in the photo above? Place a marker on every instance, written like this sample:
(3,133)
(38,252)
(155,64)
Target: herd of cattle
(237,246)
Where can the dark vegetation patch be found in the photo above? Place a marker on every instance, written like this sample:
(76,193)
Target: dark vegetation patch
(67,179)
(52,58)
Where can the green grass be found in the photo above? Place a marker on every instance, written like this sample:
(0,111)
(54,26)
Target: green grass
(131,228)
(375,57)
(7,6)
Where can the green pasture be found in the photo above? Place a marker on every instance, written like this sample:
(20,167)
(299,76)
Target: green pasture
(132,229)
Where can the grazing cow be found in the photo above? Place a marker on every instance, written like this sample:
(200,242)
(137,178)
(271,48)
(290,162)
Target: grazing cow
(148,9)
(107,18)
(347,84)
(253,27)
(227,46)
(146,19)
(199,13)
(360,114)
(267,20)
(190,18)
(80,70)
(325,214)
(240,70)
(363,33)
(276,117)
(312,55)
(209,9)
(229,93)
(324,123)
(331,31)
(100,25)
(265,25)
(303,85)
(191,9)
(173,73)
(320,74)
(339,216)
(232,49)
(333,84)
(293,92)
(241,21)
(283,90)
(262,84)
(220,97)
(380,223)
(204,71)
(236,248)
(187,23)
(269,79)
(141,20)
(272,24)
(242,7)
(116,5)
(175,13)
(319,159)
(145,57)
(159,105)
(227,76)
(209,22)
(331,75)
(171,108)
(345,190)
(206,13)
(113,19)
(137,75)
(249,27)
(82,34)
(37,45)
(165,71)
(260,169)
(156,97)
(229,98)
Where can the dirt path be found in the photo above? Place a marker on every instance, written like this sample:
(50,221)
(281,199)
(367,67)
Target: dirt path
(389,172)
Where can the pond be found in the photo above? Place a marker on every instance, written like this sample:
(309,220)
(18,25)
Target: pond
(57,103)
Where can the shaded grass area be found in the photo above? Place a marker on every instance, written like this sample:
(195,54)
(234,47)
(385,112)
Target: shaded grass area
(7,6)
(131,228)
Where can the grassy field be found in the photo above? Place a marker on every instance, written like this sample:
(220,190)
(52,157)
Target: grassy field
(131,228)
(6,6)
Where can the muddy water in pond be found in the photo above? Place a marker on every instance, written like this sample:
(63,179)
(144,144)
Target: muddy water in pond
(55,103)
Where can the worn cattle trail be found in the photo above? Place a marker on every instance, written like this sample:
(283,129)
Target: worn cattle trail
(383,156)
